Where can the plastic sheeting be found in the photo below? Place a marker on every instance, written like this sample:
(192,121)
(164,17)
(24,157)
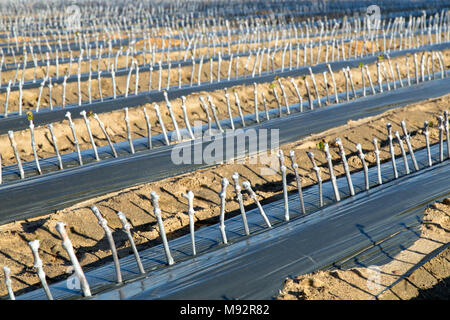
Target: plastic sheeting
(254,267)
(16,122)
(57,190)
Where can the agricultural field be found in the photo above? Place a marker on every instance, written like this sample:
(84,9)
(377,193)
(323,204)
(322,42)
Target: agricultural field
(224,149)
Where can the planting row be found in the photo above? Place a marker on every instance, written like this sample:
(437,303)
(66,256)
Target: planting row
(334,191)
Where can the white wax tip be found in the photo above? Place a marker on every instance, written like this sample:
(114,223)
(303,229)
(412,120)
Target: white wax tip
(246,184)
(34,245)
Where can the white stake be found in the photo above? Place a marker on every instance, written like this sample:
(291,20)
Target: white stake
(285,191)
(400,142)
(332,176)
(351,82)
(150,71)
(149,127)
(113,75)
(185,115)
(208,117)
(334,82)
(127,122)
(191,213)
(380,82)
(126,228)
(253,195)
(16,153)
(104,224)
(155,198)
(386,76)
(8,282)
(213,109)
(230,64)
(64,91)
(370,79)
(179,75)
(346,168)
(86,121)
(223,195)
(300,100)
(255,94)
(447,129)
(298,179)
(161,122)
(102,126)
(227,97)
(377,155)
(363,161)
(391,149)
(128,80)
(192,72)
(315,86)
(67,245)
(399,75)
(8,91)
(280,113)
(325,83)
(75,140)
(211,70)
(407,71)
(199,74)
(308,92)
(79,88)
(427,142)
(344,71)
(168,75)
(265,105)
(284,96)
(34,245)
(416,68)
(55,145)
(33,146)
(218,67)
(408,143)
(237,190)
(238,104)
(20,97)
(319,179)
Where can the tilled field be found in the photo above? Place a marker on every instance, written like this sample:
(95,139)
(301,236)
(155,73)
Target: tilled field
(88,237)
(421,271)
(160,49)
(116,126)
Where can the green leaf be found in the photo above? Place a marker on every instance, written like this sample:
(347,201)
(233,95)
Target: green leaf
(321,146)
(30,115)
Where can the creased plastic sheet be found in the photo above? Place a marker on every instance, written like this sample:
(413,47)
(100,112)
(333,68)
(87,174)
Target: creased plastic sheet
(16,122)
(60,189)
(254,267)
